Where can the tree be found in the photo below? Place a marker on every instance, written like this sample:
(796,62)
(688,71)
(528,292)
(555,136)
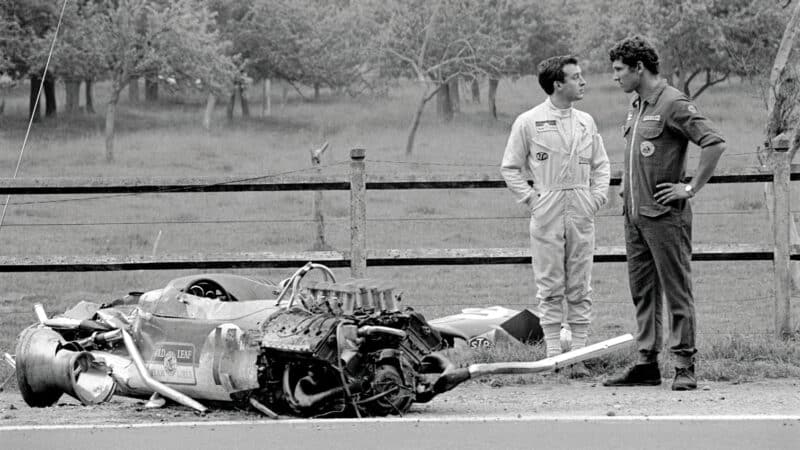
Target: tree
(76,55)
(701,42)
(522,37)
(25,22)
(431,43)
(316,43)
(138,37)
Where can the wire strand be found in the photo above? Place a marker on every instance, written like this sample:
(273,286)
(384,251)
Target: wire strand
(179,189)
(35,107)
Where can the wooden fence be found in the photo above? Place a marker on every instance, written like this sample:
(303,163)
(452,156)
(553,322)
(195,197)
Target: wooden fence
(357,181)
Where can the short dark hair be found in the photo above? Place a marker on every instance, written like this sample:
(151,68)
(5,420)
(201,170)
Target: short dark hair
(552,70)
(634,49)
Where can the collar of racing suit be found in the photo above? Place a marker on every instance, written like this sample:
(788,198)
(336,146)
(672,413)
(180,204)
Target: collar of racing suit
(653,97)
(559,112)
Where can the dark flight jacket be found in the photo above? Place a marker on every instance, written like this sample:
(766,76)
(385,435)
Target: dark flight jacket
(657,133)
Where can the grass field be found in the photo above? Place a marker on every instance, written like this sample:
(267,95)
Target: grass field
(735,309)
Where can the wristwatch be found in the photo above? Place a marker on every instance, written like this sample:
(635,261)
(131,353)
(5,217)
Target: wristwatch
(689,190)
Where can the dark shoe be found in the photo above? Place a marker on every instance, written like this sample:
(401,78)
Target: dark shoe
(684,379)
(638,375)
(578,370)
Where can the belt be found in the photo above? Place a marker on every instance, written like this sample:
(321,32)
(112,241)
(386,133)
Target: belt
(565,187)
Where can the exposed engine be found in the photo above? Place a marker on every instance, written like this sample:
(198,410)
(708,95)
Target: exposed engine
(348,350)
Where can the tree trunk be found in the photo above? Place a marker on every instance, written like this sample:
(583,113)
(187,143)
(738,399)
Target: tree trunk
(476,90)
(412,131)
(793,233)
(72,87)
(111,115)
(444,103)
(266,99)
(231,104)
(34,108)
(243,99)
(151,88)
(316,92)
(89,96)
(50,95)
(493,83)
(455,94)
(133,90)
(775,103)
(210,104)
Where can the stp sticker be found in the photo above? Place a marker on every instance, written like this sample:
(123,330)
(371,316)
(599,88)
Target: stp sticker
(647,148)
(173,362)
(480,342)
(542,156)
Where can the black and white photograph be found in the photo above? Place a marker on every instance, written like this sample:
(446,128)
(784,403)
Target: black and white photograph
(399,224)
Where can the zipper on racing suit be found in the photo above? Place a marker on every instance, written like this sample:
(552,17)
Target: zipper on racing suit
(630,162)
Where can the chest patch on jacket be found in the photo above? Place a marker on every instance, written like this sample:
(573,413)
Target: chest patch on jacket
(542,156)
(545,125)
(647,148)
(654,118)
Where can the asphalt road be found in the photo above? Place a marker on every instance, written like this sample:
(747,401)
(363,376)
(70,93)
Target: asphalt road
(733,432)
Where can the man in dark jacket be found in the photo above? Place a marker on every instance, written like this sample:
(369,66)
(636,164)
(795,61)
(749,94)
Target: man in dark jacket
(658,215)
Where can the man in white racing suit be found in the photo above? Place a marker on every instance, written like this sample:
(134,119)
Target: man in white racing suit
(561,149)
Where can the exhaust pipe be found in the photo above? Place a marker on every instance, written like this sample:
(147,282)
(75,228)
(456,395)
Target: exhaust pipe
(452,377)
(45,371)
(151,382)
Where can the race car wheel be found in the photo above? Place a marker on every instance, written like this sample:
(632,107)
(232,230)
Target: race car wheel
(388,393)
(37,395)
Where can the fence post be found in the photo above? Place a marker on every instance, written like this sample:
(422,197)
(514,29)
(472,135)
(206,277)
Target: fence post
(781,234)
(358,214)
(319,218)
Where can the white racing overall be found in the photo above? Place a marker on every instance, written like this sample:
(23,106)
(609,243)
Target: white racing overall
(565,156)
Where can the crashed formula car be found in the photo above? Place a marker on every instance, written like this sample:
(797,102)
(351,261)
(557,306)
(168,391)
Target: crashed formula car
(301,347)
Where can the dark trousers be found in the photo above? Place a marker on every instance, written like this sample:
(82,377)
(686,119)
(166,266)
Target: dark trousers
(659,267)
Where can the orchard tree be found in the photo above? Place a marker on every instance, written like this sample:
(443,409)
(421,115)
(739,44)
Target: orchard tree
(430,42)
(25,22)
(76,55)
(701,42)
(139,37)
(310,42)
(522,37)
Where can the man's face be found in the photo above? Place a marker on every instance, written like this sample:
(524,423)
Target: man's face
(626,76)
(573,86)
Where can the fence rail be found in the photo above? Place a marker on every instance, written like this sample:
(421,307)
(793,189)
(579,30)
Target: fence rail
(374,258)
(322,182)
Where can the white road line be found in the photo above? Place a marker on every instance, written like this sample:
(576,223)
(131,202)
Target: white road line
(675,418)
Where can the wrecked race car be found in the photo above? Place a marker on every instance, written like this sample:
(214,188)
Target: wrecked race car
(302,347)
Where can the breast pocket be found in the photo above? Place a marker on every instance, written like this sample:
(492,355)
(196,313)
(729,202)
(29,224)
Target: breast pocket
(650,130)
(649,142)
